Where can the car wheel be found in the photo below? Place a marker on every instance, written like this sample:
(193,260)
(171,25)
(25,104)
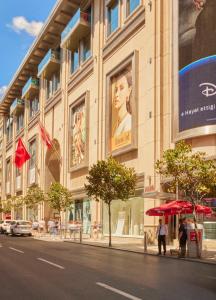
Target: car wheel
(30,234)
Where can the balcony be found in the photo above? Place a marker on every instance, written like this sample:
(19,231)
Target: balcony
(17,106)
(31,88)
(78,27)
(50,63)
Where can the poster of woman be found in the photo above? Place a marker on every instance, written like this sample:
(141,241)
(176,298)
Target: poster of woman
(78,135)
(121,109)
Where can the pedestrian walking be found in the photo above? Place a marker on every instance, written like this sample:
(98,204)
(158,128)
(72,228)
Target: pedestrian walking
(41,226)
(162,232)
(182,237)
(35,226)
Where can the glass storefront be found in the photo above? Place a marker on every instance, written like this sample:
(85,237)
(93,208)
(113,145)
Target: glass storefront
(127,217)
(32,213)
(80,211)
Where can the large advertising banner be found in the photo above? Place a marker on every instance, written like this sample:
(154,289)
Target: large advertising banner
(197,64)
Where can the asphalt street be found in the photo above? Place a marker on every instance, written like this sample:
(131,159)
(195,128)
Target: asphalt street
(38,270)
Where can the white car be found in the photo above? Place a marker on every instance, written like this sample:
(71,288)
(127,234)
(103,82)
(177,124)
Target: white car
(19,227)
(4,225)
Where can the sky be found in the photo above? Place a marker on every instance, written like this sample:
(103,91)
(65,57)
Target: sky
(20,23)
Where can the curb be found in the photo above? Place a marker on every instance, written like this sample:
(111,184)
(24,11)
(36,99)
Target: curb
(146,253)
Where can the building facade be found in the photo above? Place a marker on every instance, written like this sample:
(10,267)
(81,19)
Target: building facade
(102,79)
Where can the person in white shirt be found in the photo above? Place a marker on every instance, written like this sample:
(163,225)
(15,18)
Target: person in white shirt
(41,225)
(162,232)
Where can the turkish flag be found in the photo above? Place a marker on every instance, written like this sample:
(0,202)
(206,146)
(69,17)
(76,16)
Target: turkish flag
(21,154)
(45,136)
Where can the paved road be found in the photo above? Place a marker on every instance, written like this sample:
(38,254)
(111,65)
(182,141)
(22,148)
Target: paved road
(37,270)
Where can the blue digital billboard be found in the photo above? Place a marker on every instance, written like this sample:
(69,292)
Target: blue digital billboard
(197,63)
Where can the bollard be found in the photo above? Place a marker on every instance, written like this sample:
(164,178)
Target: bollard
(145,241)
(80,234)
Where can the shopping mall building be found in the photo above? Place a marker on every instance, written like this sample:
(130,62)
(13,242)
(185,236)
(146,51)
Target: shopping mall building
(126,78)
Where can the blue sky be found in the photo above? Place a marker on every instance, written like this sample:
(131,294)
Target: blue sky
(20,22)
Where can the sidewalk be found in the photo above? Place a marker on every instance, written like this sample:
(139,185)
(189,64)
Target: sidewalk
(129,244)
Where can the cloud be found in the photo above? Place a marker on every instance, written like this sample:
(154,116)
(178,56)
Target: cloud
(20,23)
(2,90)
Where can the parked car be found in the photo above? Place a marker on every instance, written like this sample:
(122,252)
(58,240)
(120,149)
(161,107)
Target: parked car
(1,222)
(19,227)
(4,225)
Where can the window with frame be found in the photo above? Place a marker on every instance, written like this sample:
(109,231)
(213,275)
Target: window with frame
(32,152)
(112,17)
(33,107)
(86,48)
(8,171)
(75,61)
(131,5)
(20,122)
(9,129)
(18,178)
(52,84)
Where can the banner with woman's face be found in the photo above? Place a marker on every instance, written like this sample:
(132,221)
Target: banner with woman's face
(121,108)
(78,147)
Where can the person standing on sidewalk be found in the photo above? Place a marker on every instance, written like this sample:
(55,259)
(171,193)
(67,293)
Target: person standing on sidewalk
(182,237)
(162,232)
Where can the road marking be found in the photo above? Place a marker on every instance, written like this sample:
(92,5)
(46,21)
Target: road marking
(126,295)
(50,263)
(14,249)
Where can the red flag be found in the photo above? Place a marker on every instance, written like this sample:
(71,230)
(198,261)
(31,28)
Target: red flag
(21,154)
(45,136)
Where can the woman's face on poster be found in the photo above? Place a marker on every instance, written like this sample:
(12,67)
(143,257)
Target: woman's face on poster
(121,92)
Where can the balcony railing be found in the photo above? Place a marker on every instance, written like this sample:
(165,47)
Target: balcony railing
(16,106)
(77,28)
(32,85)
(50,62)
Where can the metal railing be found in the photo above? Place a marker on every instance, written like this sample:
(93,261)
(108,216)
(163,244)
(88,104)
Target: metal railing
(77,17)
(31,82)
(51,55)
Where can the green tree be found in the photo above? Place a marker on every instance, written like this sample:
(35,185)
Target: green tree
(33,198)
(17,202)
(187,173)
(59,198)
(110,180)
(6,206)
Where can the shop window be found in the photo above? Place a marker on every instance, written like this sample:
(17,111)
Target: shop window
(80,212)
(131,6)
(34,107)
(127,217)
(20,122)
(53,84)
(112,17)
(9,129)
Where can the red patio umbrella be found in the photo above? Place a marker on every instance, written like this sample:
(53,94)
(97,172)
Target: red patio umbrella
(178,207)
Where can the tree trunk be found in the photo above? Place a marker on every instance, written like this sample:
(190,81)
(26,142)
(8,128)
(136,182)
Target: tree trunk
(198,252)
(110,233)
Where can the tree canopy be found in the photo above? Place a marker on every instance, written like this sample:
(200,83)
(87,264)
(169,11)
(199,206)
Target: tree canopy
(110,180)
(192,173)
